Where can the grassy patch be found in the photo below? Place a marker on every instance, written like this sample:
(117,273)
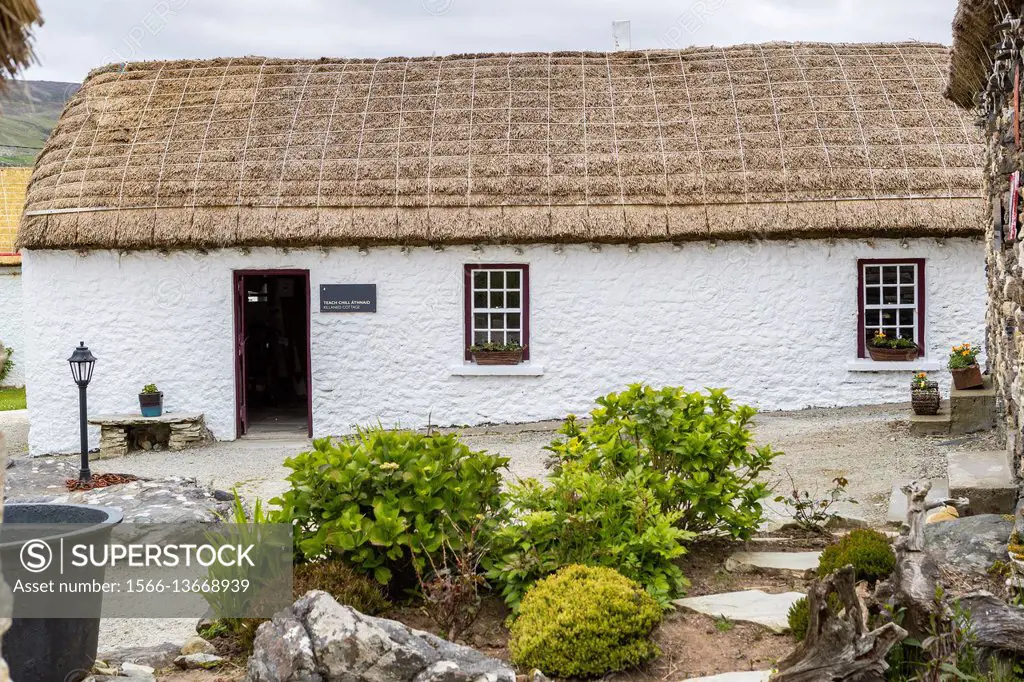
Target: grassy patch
(12,399)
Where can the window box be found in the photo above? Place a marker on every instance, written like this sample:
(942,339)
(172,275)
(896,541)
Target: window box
(498,357)
(893,354)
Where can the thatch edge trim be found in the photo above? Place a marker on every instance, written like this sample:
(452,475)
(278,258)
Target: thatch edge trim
(974,31)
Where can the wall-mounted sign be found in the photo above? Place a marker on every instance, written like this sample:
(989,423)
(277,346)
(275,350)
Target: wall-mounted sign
(348,298)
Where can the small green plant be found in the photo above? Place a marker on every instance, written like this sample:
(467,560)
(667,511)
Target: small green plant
(812,513)
(584,622)
(384,500)
(882,340)
(723,624)
(348,587)
(495,348)
(868,551)
(799,615)
(149,389)
(7,364)
(963,356)
(920,381)
(451,596)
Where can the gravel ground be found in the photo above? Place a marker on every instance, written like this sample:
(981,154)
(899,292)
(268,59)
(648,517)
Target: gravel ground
(870,446)
(14,426)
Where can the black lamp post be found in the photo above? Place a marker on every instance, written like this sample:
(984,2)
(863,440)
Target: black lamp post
(82,363)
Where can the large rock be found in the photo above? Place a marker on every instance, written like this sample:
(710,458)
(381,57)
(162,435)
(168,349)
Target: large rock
(319,640)
(972,543)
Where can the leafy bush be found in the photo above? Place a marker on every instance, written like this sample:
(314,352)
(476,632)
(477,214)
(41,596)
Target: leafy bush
(6,362)
(584,621)
(381,499)
(868,551)
(593,517)
(881,340)
(812,513)
(700,447)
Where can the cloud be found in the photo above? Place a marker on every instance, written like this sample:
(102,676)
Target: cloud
(79,36)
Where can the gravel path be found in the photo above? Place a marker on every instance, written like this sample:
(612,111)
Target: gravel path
(14,426)
(870,446)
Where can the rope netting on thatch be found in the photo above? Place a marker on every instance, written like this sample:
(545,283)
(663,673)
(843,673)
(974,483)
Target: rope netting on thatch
(757,140)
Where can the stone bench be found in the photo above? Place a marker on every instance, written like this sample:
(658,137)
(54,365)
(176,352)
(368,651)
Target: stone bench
(124,433)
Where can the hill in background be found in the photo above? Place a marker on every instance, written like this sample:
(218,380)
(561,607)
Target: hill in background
(29,110)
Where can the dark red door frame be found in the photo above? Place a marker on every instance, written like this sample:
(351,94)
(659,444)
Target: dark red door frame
(239,286)
(861,324)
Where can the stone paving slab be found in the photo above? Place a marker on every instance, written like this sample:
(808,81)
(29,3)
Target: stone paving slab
(752,676)
(984,477)
(796,564)
(750,606)
(898,501)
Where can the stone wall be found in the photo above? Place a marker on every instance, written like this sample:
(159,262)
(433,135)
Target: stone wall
(774,321)
(1005,314)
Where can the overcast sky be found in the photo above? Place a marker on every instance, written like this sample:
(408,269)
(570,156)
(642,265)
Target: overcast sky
(82,34)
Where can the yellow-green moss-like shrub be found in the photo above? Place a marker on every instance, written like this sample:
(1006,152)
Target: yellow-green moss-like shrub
(868,551)
(584,621)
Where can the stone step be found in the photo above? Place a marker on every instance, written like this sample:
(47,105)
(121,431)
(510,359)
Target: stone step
(973,410)
(795,564)
(752,676)
(898,501)
(984,477)
(750,606)
(940,424)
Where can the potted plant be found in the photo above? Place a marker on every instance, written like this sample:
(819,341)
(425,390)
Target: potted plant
(884,348)
(963,363)
(924,394)
(151,401)
(497,353)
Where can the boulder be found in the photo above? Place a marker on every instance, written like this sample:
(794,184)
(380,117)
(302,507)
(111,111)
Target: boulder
(972,543)
(319,640)
(158,657)
(197,645)
(198,662)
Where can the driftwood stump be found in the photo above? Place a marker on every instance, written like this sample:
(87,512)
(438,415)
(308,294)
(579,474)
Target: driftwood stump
(838,646)
(917,511)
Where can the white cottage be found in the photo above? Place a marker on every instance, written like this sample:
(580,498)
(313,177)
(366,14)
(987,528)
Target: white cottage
(316,243)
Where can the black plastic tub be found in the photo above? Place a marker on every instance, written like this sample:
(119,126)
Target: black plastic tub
(53,649)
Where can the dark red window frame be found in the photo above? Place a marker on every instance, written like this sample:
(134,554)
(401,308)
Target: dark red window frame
(468,297)
(862,326)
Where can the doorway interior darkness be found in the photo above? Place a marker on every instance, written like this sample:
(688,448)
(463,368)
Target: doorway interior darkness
(272,368)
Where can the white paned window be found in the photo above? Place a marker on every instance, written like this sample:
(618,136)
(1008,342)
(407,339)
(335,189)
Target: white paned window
(892,299)
(497,306)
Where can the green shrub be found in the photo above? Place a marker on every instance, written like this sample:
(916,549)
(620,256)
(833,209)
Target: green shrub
(582,622)
(381,499)
(868,551)
(337,579)
(800,615)
(699,445)
(597,518)
(6,362)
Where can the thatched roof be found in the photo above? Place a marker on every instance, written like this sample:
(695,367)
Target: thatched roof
(775,140)
(16,20)
(974,33)
(13,184)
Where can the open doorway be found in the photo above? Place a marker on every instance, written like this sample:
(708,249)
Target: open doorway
(272,367)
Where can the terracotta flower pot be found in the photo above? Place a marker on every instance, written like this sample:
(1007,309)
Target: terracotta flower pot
(494,357)
(893,354)
(926,400)
(967,378)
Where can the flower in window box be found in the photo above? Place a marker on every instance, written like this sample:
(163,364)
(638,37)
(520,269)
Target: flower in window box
(885,348)
(497,353)
(963,364)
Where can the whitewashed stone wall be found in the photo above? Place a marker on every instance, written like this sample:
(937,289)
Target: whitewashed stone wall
(775,322)
(11,327)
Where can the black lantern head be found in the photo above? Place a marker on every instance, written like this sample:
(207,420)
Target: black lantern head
(82,363)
